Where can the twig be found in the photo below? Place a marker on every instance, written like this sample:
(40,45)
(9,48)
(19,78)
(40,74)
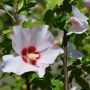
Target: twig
(65,42)
(8,13)
(27,83)
(65,63)
(15,12)
(27,76)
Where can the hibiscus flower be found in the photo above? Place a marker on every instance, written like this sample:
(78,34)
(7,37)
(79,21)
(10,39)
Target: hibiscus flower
(35,48)
(78,22)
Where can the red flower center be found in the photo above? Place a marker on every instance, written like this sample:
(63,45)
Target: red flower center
(30,55)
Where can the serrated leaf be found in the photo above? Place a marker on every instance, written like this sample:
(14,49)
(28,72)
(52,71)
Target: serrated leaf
(52,3)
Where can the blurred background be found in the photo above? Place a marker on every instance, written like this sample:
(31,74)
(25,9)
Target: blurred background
(38,12)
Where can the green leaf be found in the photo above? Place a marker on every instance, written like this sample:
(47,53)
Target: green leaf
(31,24)
(87,69)
(52,3)
(57,85)
(2,1)
(6,32)
(5,75)
(41,83)
(49,17)
(78,39)
(71,1)
(34,75)
(82,83)
(20,4)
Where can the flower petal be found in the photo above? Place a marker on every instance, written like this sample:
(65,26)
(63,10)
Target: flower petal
(72,51)
(20,38)
(16,65)
(78,21)
(78,14)
(41,69)
(77,29)
(49,55)
(86,3)
(39,37)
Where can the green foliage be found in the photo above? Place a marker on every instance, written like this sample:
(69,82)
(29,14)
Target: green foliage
(82,83)
(52,3)
(30,24)
(20,4)
(5,75)
(57,84)
(6,32)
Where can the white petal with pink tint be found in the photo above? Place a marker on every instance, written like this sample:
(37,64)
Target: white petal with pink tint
(16,65)
(86,3)
(20,38)
(49,55)
(41,69)
(78,14)
(39,37)
(78,22)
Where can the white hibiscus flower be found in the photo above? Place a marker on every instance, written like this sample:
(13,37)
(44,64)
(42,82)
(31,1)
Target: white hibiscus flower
(35,48)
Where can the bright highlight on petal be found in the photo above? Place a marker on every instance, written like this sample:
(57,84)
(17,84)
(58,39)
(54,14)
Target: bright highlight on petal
(78,22)
(36,50)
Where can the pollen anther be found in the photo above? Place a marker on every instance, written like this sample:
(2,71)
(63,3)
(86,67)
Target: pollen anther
(32,56)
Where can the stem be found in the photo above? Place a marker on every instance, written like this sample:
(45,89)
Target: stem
(8,13)
(27,77)
(65,42)
(27,83)
(65,62)
(15,12)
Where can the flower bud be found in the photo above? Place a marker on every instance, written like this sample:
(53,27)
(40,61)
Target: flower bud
(86,3)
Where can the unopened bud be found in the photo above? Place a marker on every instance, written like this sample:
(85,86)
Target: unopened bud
(86,3)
